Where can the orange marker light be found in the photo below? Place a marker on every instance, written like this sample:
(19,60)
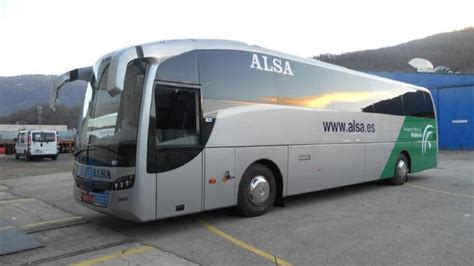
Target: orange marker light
(212,180)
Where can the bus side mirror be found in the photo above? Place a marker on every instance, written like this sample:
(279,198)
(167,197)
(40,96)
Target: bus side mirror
(118,69)
(84,73)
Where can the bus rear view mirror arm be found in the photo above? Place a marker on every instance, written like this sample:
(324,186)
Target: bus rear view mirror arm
(118,68)
(84,73)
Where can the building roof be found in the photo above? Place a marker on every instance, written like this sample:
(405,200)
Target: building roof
(32,127)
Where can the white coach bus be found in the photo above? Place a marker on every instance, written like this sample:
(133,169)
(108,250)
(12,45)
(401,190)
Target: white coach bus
(178,127)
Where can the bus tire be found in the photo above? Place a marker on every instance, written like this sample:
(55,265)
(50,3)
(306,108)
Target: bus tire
(55,157)
(400,172)
(257,191)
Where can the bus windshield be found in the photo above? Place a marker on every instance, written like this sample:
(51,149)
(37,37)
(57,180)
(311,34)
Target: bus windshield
(108,130)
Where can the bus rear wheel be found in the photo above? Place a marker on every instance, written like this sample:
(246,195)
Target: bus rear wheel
(401,171)
(257,191)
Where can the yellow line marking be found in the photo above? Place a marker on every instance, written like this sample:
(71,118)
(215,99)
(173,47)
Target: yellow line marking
(33,225)
(440,191)
(16,200)
(57,221)
(116,255)
(244,245)
(3,188)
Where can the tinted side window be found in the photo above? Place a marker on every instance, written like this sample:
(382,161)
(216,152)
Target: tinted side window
(429,105)
(177,116)
(227,75)
(354,93)
(310,86)
(368,109)
(414,104)
(174,136)
(387,97)
(393,106)
(182,68)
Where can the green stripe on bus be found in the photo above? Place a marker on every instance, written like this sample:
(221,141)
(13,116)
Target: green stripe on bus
(418,138)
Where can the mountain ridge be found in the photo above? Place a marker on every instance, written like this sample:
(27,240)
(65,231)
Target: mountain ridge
(25,91)
(454,50)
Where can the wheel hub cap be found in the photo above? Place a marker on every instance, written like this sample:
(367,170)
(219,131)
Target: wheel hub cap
(402,169)
(259,190)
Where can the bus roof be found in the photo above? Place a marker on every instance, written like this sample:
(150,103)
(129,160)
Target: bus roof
(169,48)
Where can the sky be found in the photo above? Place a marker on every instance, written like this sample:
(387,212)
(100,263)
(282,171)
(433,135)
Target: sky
(54,36)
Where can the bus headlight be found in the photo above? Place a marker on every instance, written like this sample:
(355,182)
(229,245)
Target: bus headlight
(124,182)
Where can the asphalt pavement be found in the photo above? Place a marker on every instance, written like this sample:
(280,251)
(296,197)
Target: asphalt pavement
(428,221)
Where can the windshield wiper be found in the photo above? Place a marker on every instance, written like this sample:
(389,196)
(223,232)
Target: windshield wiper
(105,148)
(82,150)
(93,149)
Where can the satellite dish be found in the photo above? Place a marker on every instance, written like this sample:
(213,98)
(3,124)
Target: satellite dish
(421,65)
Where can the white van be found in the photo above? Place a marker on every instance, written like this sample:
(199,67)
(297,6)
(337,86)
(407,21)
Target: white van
(37,143)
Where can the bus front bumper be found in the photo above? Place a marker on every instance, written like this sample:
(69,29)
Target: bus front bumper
(105,202)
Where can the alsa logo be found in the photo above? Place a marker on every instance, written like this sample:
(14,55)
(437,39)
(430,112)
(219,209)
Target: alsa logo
(425,143)
(89,172)
(276,65)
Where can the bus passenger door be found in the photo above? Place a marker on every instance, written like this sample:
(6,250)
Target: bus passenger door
(177,138)
(219,182)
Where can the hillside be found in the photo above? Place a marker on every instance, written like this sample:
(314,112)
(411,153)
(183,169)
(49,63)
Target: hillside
(452,49)
(26,91)
(62,116)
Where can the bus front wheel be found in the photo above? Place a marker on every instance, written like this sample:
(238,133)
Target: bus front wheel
(401,171)
(257,191)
